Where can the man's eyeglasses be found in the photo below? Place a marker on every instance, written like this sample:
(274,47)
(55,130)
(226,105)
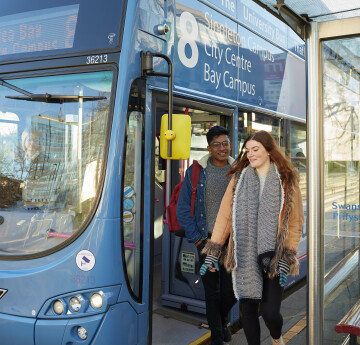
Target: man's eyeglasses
(216,144)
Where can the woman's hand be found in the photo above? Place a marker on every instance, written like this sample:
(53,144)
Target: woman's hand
(211,263)
(265,264)
(283,268)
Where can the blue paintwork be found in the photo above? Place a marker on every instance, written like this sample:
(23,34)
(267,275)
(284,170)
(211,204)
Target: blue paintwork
(120,326)
(64,332)
(208,44)
(61,267)
(256,18)
(16,330)
(50,331)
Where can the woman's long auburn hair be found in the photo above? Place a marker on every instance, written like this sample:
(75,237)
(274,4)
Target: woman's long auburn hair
(287,171)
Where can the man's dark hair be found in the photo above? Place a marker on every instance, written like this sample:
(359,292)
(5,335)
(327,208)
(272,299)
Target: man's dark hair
(215,131)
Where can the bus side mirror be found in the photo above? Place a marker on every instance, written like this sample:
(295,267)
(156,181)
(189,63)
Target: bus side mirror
(180,135)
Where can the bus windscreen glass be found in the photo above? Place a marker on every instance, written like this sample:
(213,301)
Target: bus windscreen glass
(63,26)
(51,158)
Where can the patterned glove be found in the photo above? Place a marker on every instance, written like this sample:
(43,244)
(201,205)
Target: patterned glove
(283,269)
(211,262)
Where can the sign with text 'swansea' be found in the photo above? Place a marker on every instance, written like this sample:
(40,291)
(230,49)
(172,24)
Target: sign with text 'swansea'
(217,56)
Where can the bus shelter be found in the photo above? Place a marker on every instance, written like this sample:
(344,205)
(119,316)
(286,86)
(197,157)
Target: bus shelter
(331,30)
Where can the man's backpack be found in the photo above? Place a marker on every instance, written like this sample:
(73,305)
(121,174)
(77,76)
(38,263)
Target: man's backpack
(173,224)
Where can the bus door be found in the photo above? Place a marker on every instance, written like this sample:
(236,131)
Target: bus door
(176,278)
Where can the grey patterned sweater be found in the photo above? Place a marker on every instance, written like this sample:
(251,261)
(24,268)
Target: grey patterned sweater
(216,184)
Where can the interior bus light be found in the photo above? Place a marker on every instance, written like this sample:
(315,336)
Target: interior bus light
(96,301)
(82,333)
(75,304)
(58,307)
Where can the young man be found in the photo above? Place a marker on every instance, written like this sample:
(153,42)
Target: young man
(219,295)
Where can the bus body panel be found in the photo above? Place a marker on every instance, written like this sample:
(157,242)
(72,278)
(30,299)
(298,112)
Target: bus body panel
(41,276)
(65,331)
(120,326)
(16,330)
(223,60)
(49,331)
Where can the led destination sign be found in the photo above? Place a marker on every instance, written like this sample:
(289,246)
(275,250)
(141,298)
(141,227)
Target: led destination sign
(41,30)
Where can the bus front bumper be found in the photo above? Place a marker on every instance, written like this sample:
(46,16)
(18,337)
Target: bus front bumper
(16,330)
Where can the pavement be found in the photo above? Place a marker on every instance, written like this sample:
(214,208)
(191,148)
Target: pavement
(182,328)
(293,310)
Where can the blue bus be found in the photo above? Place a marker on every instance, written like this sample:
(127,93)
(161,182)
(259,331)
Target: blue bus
(85,253)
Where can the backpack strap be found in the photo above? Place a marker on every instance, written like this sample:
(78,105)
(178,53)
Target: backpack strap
(195,177)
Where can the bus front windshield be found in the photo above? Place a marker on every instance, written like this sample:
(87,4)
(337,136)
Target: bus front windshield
(51,158)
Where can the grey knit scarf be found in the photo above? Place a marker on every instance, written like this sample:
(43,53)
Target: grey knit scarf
(255,225)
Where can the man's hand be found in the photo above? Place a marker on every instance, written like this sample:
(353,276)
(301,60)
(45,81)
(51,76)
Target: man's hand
(265,263)
(198,242)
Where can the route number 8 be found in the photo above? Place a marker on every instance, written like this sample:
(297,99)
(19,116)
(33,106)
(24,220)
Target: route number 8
(189,31)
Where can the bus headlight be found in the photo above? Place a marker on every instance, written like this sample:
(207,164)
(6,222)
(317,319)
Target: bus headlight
(75,304)
(82,333)
(96,301)
(58,307)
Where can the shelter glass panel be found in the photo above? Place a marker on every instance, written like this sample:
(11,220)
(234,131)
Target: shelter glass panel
(341,91)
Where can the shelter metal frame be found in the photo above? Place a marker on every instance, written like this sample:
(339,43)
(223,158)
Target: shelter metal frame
(313,33)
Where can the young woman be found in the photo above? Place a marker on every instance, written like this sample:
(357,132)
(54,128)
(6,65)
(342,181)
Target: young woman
(262,215)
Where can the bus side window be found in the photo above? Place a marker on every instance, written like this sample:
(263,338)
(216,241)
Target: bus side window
(132,231)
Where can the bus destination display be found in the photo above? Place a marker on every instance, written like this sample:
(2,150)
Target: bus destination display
(41,30)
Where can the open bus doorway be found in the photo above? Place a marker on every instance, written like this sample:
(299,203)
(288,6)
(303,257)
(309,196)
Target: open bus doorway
(177,291)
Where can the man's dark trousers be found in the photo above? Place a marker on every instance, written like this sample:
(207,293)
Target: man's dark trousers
(219,297)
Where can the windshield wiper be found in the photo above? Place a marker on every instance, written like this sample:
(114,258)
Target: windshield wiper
(47,98)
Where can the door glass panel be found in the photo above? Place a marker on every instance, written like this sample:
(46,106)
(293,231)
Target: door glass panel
(293,144)
(132,230)
(291,137)
(183,276)
(198,140)
(250,123)
(341,85)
